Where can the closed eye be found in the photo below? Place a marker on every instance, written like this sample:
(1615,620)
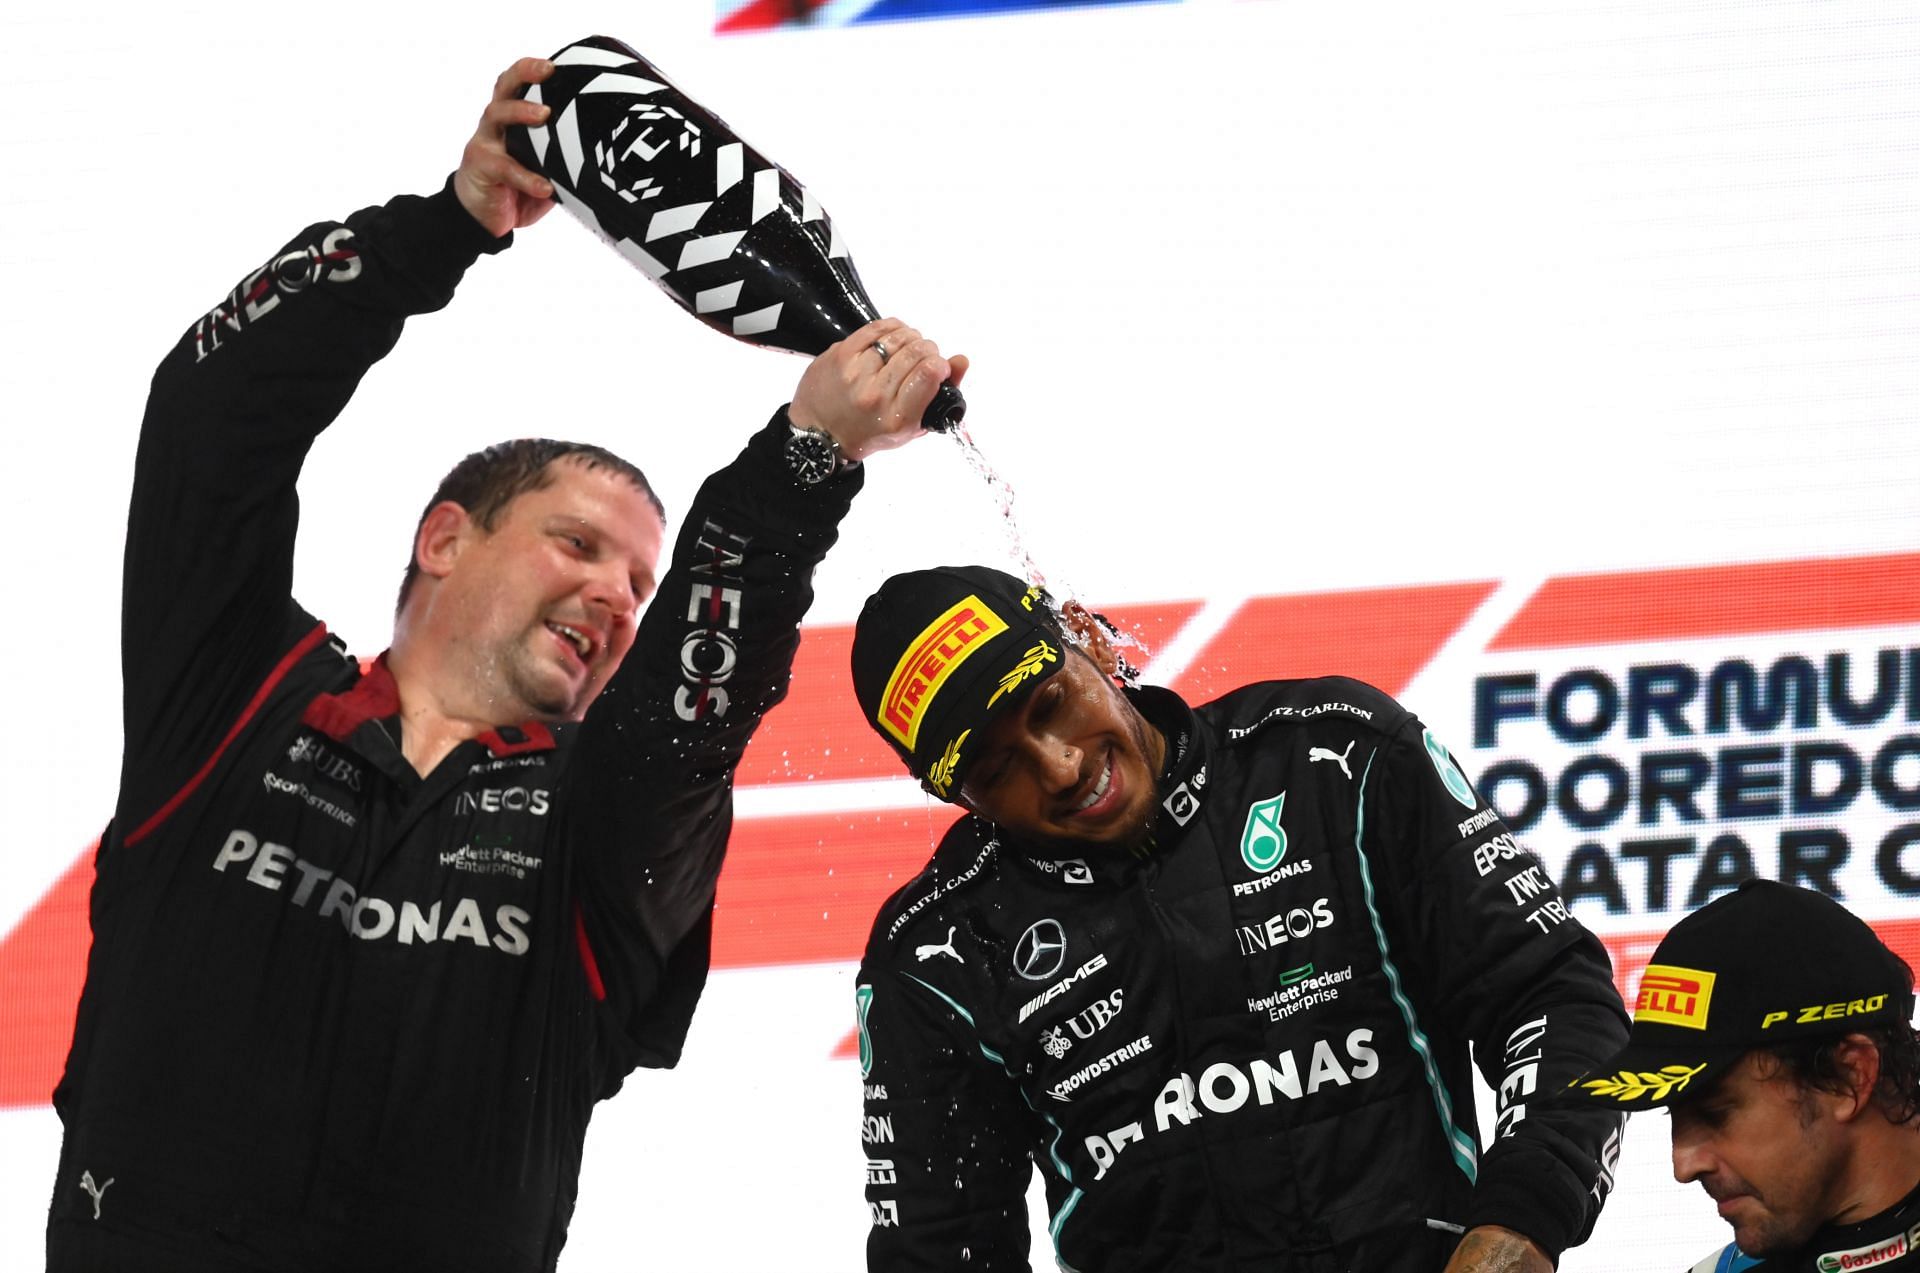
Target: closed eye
(988,773)
(1047,700)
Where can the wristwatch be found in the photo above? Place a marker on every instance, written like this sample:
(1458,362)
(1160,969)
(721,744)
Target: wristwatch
(813,456)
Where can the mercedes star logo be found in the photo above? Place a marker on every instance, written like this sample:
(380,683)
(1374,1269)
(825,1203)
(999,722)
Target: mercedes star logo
(1041,951)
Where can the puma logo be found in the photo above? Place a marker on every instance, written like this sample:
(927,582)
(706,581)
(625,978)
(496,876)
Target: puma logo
(930,950)
(96,1192)
(1337,757)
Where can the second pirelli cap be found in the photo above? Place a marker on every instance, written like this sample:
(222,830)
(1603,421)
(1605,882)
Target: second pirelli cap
(939,653)
(1764,964)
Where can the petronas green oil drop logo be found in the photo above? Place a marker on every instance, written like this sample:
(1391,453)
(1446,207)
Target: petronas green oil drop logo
(863,997)
(1450,776)
(1264,842)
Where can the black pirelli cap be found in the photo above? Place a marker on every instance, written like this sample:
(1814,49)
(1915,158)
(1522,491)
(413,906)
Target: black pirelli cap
(1762,965)
(939,653)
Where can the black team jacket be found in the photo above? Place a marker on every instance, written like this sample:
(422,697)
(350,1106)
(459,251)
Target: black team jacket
(1247,1046)
(338,1015)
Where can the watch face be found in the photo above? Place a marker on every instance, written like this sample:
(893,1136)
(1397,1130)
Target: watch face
(811,456)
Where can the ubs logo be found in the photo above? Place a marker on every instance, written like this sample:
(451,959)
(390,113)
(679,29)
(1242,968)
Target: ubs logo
(1040,951)
(307,749)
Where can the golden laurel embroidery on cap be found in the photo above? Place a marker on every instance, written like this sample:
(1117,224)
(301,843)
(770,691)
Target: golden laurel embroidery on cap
(1670,995)
(940,775)
(1631,1085)
(1030,662)
(931,658)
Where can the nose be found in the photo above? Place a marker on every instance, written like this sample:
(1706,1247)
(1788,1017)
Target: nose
(1691,1159)
(610,587)
(1056,761)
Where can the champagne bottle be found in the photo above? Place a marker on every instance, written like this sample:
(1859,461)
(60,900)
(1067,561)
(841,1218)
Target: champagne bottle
(724,230)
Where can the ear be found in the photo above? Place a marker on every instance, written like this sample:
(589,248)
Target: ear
(1857,1057)
(1091,636)
(444,532)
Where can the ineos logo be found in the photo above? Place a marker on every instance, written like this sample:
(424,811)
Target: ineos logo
(1040,951)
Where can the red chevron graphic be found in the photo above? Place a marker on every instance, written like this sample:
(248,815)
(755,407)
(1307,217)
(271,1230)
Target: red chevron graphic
(1786,596)
(1382,636)
(760,15)
(42,964)
(804,888)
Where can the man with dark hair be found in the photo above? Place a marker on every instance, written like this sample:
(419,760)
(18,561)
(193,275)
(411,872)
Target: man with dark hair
(1215,970)
(1776,1029)
(369,945)
(485,482)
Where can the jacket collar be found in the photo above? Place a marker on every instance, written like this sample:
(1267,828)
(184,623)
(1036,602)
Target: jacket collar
(376,696)
(1183,776)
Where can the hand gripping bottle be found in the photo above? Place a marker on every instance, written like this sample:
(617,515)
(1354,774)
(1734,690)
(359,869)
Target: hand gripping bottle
(724,230)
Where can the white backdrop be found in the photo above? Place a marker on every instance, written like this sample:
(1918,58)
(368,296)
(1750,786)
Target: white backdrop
(1262,297)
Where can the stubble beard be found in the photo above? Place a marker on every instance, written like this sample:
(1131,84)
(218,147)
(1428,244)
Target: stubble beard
(1774,1235)
(539,690)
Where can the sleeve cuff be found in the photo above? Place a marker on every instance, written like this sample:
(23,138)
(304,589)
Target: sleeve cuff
(773,482)
(434,239)
(1525,1189)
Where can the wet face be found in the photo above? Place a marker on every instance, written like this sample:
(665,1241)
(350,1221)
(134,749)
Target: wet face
(541,610)
(1073,763)
(1765,1151)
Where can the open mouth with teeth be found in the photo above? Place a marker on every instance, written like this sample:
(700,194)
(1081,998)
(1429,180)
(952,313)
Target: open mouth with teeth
(1098,791)
(582,643)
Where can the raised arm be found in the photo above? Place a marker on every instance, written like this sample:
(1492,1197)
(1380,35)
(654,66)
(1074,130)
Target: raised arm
(652,777)
(234,407)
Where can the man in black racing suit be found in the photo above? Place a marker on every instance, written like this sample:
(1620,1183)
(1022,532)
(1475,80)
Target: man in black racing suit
(1776,1029)
(369,944)
(1215,970)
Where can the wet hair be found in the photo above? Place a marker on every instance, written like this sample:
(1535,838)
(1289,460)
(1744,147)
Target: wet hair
(1814,1065)
(487,481)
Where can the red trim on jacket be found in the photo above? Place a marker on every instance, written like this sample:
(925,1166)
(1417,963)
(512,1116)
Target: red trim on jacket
(373,697)
(587,962)
(278,674)
(512,740)
(376,696)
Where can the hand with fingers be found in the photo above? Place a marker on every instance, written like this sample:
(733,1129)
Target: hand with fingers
(499,193)
(870,389)
(1489,1248)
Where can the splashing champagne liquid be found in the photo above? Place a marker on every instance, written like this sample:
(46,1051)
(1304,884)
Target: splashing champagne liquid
(1134,653)
(1002,492)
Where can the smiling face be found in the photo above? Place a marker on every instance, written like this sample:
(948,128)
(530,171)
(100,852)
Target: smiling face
(1073,763)
(1765,1151)
(536,614)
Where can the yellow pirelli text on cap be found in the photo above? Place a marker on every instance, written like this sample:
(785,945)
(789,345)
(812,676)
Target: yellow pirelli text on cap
(942,646)
(1674,996)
